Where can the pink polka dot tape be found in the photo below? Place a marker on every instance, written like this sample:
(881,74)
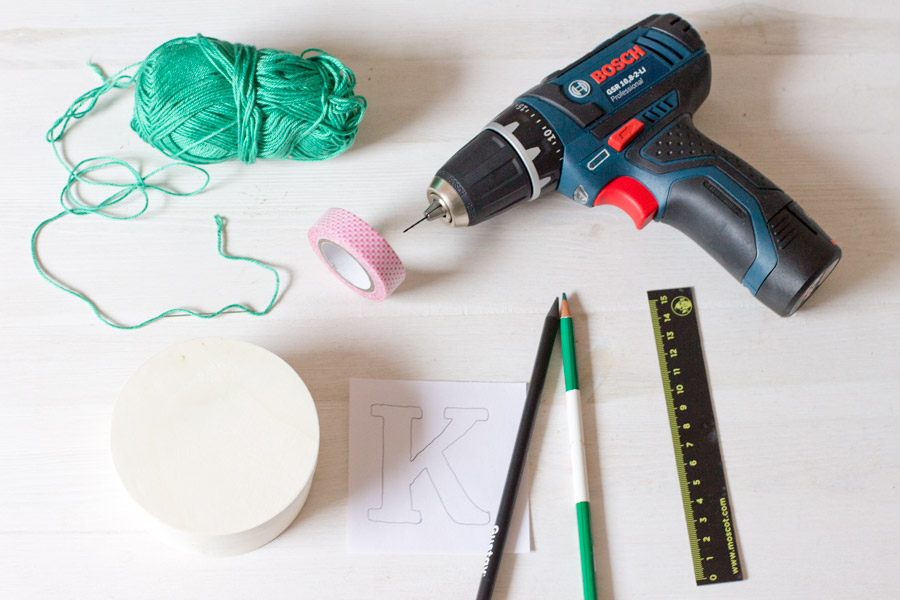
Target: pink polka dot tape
(357,254)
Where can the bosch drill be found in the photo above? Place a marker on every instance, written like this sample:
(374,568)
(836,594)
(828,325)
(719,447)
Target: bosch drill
(615,127)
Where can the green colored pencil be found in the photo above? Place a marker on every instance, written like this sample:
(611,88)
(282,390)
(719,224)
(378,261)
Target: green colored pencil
(576,447)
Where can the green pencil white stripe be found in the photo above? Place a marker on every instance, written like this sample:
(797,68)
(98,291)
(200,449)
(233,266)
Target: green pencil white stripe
(576,446)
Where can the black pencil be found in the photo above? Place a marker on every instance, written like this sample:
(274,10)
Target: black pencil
(520,450)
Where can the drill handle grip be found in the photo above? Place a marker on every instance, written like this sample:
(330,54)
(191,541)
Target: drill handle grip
(752,228)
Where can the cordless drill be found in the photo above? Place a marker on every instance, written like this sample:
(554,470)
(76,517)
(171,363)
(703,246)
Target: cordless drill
(615,127)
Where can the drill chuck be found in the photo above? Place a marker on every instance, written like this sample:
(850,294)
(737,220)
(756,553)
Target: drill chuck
(516,157)
(445,204)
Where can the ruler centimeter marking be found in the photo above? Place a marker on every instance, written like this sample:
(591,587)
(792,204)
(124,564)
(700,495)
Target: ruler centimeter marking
(710,519)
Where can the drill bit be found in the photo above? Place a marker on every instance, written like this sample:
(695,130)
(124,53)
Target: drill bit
(414,224)
(435,211)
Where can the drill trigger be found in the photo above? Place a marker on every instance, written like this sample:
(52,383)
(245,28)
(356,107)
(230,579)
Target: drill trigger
(630,195)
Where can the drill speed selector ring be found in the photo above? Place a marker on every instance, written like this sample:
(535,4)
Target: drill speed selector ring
(534,141)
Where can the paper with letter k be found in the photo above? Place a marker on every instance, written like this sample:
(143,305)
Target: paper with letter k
(427,465)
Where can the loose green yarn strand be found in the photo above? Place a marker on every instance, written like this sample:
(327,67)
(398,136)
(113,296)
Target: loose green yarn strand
(73,205)
(220,224)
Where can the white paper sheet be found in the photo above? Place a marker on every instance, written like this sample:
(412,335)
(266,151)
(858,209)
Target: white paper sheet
(428,461)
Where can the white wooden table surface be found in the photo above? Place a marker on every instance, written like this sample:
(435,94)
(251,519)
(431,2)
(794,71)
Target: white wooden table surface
(807,406)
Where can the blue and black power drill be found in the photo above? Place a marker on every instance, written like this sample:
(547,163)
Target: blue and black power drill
(615,127)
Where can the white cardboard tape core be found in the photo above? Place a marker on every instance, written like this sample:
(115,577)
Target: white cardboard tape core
(216,441)
(346,266)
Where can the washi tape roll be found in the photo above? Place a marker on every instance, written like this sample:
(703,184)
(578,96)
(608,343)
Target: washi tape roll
(216,441)
(357,254)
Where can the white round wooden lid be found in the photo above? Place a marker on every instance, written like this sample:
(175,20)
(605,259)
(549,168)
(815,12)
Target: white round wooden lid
(216,440)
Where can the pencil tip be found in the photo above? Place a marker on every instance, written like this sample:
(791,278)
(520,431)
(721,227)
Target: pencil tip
(564,295)
(564,308)
(554,309)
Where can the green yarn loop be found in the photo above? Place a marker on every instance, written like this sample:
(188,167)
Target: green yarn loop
(203,100)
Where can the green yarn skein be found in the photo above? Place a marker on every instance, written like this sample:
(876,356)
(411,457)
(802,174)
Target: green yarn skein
(204,100)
